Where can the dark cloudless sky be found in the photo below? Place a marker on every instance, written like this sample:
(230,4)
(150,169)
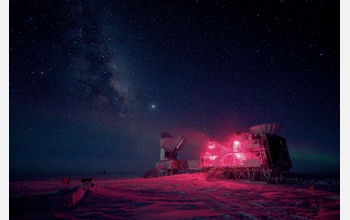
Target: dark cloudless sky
(93,83)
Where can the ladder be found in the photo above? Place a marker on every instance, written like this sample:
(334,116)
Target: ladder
(152,171)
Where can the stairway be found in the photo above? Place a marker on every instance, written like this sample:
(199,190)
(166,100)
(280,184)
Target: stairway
(151,171)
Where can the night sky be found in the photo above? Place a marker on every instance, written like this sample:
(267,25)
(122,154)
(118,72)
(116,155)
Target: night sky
(92,84)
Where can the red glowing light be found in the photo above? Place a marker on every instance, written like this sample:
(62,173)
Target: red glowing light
(212,157)
(211,146)
(236,143)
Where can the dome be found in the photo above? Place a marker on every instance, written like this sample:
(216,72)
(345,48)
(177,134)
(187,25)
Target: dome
(266,129)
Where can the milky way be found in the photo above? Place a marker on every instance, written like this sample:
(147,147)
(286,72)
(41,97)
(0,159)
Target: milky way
(93,83)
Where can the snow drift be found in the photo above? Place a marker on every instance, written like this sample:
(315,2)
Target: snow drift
(185,196)
(63,199)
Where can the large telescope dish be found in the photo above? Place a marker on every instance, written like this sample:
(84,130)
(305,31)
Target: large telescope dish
(266,129)
(171,144)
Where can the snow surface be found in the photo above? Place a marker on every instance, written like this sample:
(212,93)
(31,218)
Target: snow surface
(185,196)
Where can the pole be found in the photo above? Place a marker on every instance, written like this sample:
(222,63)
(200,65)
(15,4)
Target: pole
(312,188)
(316,199)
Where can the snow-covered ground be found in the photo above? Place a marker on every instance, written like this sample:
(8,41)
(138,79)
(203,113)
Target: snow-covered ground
(185,196)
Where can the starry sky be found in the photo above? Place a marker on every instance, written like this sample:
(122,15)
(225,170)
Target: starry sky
(92,84)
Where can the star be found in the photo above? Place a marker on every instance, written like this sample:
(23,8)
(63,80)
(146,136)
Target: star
(217,69)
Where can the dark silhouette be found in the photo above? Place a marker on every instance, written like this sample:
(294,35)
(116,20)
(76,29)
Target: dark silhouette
(66,180)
